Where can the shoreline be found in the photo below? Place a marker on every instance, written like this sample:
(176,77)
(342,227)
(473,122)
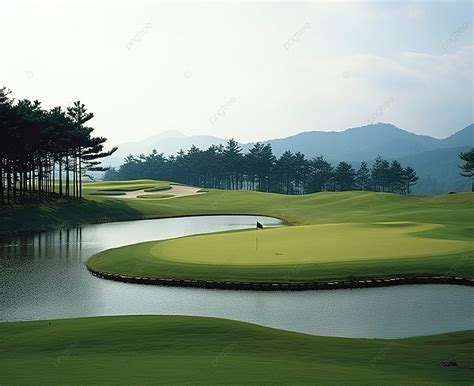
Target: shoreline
(16,233)
(285,286)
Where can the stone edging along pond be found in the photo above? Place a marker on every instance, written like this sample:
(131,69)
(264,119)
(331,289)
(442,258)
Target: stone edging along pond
(262,286)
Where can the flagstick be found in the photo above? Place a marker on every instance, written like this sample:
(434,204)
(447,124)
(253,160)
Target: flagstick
(256,241)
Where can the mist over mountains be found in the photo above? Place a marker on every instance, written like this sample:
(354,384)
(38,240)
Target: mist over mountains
(435,160)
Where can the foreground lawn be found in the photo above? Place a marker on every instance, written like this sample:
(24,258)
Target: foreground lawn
(161,349)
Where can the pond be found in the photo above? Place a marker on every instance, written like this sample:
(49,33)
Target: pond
(43,276)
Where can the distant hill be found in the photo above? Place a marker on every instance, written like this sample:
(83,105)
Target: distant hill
(366,142)
(169,143)
(464,137)
(359,143)
(435,160)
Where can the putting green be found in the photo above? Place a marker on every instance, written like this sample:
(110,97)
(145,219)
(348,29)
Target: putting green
(308,244)
(339,251)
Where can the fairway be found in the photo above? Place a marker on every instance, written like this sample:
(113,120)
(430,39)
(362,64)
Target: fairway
(307,244)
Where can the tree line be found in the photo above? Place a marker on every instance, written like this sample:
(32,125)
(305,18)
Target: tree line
(227,167)
(45,154)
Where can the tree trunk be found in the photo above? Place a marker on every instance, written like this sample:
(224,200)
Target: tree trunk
(80,174)
(67,175)
(2,193)
(60,175)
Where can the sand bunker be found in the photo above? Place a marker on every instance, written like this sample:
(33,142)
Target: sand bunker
(176,191)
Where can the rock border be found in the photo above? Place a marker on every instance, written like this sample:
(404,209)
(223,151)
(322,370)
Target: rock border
(265,286)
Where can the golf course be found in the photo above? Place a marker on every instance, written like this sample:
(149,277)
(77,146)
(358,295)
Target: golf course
(237,193)
(328,236)
(331,236)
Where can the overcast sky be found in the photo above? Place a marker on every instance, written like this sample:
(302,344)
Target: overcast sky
(244,70)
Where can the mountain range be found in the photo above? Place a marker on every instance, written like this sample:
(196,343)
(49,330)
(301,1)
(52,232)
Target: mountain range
(435,160)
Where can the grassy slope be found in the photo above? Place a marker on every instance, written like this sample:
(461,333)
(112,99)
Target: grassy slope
(145,349)
(453,210)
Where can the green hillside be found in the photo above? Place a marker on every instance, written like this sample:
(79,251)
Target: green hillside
(181,349)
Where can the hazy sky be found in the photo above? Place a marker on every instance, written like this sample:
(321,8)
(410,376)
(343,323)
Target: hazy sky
(244,70)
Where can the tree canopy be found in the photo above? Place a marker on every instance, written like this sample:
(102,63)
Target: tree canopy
(45,153)
(467,170)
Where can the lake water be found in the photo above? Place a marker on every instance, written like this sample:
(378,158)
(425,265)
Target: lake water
(43,276)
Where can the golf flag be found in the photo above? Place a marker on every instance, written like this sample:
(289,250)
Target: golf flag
(259,226)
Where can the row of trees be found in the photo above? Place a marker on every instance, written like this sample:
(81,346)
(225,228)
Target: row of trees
(45,153)
(258,169)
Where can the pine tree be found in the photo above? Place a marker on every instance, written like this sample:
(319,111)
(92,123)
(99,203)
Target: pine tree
(410,178)
(345,176)
(468,167)
(233,164)
(363,179)
(396,177)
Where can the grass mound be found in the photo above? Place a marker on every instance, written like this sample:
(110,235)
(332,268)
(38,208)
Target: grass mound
(108,193)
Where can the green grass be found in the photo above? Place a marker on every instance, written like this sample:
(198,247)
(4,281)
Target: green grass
(159,188)
(307,244)
(140,349)
(155,196)
(181,349)
(454,210)
(351,234)
(107,193)
(296,254)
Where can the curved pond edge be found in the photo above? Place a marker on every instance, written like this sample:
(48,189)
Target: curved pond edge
(60,226)
(285,286)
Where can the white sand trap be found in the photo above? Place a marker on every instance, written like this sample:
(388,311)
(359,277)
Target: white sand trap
(176,191)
